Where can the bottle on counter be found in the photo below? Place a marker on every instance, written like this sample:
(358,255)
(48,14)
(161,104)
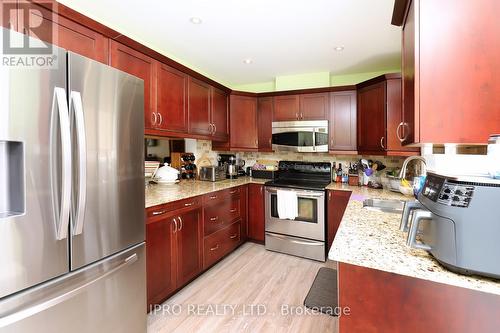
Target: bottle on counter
(339,174)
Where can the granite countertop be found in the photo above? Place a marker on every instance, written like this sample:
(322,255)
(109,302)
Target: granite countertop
(372,239)
(159,194)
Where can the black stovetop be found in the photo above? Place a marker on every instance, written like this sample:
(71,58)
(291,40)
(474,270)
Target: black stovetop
(302,175)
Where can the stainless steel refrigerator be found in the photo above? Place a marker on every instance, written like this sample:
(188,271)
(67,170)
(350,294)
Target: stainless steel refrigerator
(72,254)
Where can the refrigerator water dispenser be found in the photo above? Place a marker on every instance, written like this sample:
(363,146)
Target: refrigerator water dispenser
(12,198)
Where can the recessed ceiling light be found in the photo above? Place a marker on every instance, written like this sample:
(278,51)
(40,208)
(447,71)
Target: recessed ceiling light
(338,48)
(248,61)
(195,20)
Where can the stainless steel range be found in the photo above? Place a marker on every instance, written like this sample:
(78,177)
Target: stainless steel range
(295,209)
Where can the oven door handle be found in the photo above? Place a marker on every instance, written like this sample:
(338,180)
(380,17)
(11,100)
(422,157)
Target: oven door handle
(288,239)
(299,193)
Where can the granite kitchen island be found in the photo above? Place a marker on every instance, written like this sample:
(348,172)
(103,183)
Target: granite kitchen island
(390,287)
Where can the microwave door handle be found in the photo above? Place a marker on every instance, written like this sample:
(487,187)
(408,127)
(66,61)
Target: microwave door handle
(299,193)
(314,139)
(412,234)
(76,105)
(59,102)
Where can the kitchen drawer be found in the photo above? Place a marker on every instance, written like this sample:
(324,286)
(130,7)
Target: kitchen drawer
(220,195)
(157,211)
(221,215)
(221,243)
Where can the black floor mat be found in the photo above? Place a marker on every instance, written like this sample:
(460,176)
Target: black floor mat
(323,295)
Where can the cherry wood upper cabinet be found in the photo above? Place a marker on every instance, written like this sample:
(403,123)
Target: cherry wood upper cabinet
(9,15)
(286,108)
(451,71)
(243,119)
(371,118)
(160,260)
(199,107)
(314,106)
(264,121)
(342,121)
(395,118)
(256,212)
(220,115)
(142,66)
(172,99)
(60,31)
(189,245)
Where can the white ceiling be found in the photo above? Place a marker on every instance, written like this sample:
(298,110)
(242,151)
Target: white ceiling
(282,37)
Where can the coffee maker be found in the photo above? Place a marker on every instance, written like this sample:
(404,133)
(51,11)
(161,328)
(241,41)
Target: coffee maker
(228,161)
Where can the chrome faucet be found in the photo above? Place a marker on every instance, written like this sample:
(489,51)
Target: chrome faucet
(402,173)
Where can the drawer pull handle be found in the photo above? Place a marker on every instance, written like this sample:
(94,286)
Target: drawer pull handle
(159,212)
(233,236)
(233,210)
(212,197)
(214,248)
(213,219)
(233,192)
(189,204)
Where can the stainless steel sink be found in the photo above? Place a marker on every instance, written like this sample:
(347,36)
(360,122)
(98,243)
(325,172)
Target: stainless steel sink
(387,206)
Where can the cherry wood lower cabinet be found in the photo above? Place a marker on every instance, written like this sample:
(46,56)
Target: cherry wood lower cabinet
(336,205)
(174,250)
(220,243)
(387,302)
(256,214)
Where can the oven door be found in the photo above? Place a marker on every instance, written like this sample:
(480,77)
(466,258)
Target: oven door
(311,220)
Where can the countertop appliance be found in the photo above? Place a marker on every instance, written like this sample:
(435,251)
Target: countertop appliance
(458,222)
(304,236)
(300,136)
(212,173)
(72,248)
(229,163)
(166,175)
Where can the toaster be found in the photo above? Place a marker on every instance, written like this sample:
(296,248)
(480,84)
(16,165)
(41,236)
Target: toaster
(212,173)
(457,221)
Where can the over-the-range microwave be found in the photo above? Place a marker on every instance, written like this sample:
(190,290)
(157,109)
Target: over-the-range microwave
(305,136)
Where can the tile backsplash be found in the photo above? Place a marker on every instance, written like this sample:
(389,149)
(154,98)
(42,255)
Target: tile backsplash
(204,149)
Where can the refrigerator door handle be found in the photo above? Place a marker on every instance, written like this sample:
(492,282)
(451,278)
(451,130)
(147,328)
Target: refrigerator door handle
(47,304)
(59,102)
(76,105)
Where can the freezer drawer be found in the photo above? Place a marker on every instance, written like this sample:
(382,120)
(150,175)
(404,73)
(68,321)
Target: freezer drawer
(108,296)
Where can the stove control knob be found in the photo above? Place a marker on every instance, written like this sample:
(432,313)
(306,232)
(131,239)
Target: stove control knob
(456,198)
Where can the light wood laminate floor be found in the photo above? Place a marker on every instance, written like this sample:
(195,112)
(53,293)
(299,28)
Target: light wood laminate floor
(252,290)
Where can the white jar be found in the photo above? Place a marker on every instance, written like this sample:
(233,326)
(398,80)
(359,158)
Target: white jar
(494,155)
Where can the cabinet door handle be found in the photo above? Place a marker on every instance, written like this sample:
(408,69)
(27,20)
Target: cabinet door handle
(233,236)
(213,219)
(214,248)
(329,195)
(382,142)
(181,223)
(301,115)
(397,132)
(154,118)
(215,129)
(174,221)
(270,142)
(161,118)
(232,210)
(233,192)
(297,115)
(188,204)
(160,212)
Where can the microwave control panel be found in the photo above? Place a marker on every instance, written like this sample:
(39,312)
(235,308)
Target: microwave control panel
(448,193)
